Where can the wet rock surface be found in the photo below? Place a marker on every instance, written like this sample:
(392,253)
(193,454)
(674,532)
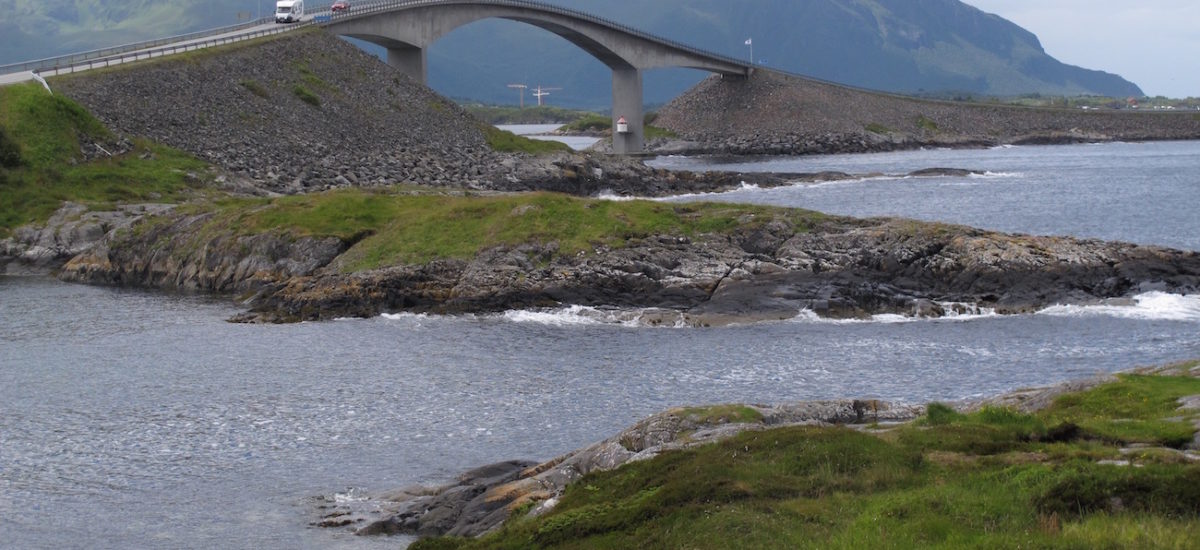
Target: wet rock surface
(840,268)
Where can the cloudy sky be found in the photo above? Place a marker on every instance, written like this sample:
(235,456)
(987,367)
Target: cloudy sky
(1153,43)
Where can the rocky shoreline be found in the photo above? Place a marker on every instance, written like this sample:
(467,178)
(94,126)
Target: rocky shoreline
(775,114)
(481,500)
(765,269)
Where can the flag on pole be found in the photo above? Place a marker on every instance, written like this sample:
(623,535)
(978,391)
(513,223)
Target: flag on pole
(749,41)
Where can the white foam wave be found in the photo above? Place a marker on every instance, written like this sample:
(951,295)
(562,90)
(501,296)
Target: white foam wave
(405,316)
(1151,306)
(576,315)
(954,311)
(608,195)
(992,175)
(688,196)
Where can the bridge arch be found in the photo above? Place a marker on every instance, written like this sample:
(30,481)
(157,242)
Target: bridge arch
(406,28)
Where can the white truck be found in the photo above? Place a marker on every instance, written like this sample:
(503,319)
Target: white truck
(289,11)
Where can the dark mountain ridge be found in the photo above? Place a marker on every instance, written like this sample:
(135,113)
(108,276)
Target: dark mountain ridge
(906,46)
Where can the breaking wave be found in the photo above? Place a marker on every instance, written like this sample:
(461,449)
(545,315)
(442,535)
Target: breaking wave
(1151,306)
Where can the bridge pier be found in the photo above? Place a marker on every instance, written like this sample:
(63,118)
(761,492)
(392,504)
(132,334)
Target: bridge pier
(409,60)
(627,103)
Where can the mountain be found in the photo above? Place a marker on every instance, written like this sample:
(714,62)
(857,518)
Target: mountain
(37,29)
(906,46)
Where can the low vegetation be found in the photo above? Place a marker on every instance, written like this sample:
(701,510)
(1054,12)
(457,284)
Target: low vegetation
(41,166)
(403,226)
(306,96)
(994,478)
(507,142)
(541,114)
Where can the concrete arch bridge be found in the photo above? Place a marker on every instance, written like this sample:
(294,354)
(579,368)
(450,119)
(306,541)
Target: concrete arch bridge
(407,28)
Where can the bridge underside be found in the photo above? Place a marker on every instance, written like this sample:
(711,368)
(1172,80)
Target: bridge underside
(407,32)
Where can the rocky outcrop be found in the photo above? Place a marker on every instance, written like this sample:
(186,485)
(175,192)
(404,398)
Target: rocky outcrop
(72,230)
(773,114)
(772,269)
(480,500)
(177,255)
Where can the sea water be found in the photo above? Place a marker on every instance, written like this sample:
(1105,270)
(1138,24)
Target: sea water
(133,419)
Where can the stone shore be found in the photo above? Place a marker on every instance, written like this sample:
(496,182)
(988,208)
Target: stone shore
(774,114)
(480,500)
(767,270)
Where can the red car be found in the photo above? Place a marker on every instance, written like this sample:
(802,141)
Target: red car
(339,6)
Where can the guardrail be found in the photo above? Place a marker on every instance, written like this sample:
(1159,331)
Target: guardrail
(146,50)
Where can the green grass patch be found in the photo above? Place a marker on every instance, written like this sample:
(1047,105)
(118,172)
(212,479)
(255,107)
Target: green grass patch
(654,132)
(919,486)
(1136,409)
(878,129)
(392,229)
(306,96)
(925,123)
(256,88)
(589,123)
(539,114)
(47,131)
(508,142)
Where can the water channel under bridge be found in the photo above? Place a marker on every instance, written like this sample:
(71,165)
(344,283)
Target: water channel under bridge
(407,28)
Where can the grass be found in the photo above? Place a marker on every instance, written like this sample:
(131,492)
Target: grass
(540,114)
(1134,411)
(880,129)
(46,133)
(927,124)
(402,228)
(507,142)
(255,88)
(306,96)
(990,479)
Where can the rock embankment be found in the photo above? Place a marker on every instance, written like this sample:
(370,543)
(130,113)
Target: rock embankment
(773,114)
(309,112)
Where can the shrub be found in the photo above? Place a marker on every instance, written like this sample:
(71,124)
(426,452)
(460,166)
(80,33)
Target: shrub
(10,153)
(307,96)
(255,88)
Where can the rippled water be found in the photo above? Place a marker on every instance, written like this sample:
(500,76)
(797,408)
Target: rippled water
(1141,192)
(138,419)
(543,132)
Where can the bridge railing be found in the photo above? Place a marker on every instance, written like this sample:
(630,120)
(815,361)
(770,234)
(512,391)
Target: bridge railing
(192,41)
(390,5)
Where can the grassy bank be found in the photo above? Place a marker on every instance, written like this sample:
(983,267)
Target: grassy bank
(399,226)
(40,140)
(541,114)
(991,479)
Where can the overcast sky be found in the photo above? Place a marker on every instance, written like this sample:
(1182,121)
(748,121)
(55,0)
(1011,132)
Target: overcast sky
(1153,43)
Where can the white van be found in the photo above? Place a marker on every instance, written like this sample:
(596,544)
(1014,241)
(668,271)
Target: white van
(289,11)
